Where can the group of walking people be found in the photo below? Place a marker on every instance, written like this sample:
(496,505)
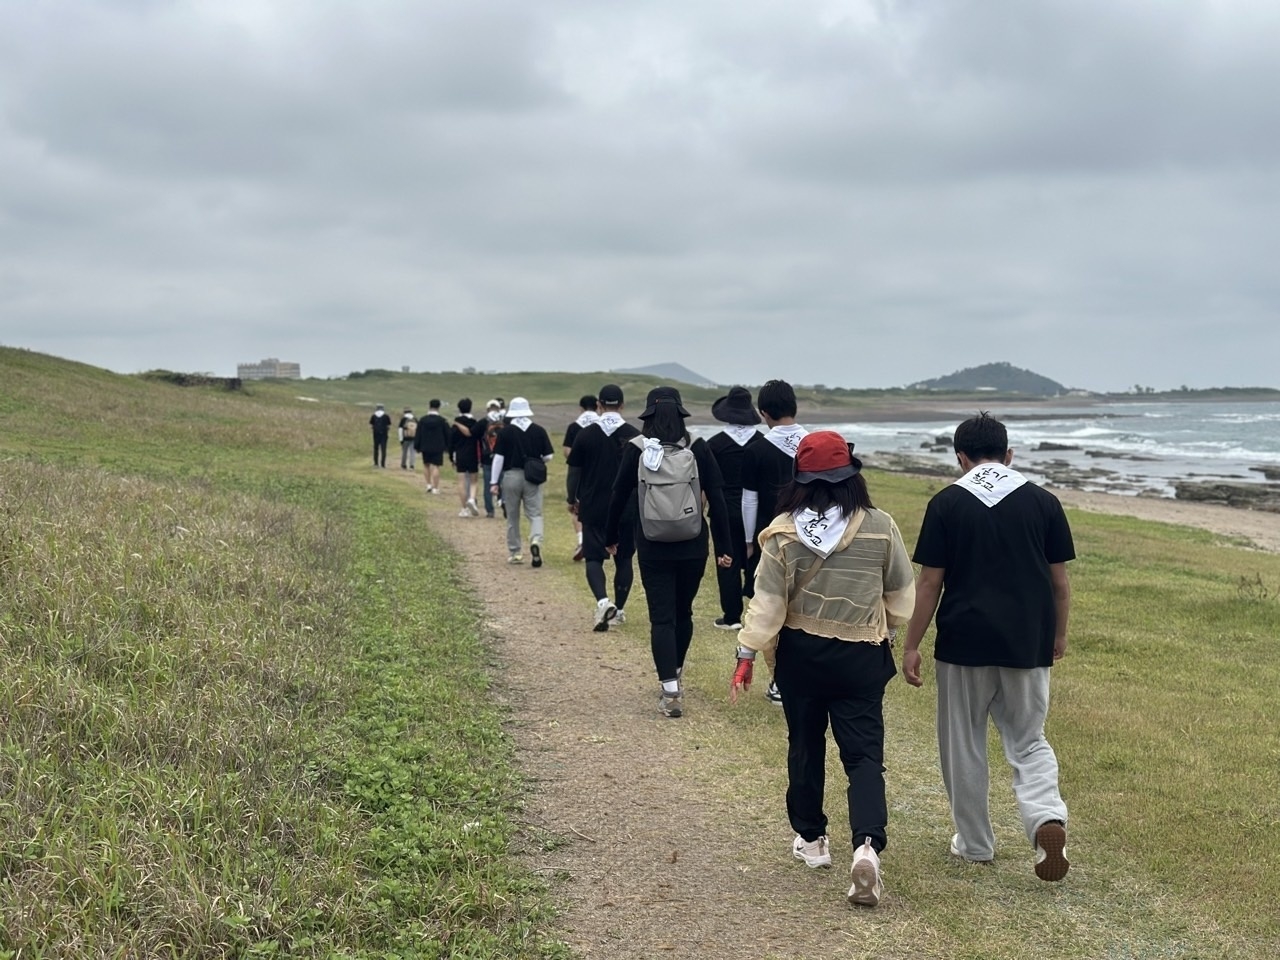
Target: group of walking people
(815,578)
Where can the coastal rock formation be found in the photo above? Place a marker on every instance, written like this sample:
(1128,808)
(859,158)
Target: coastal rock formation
(1250,496)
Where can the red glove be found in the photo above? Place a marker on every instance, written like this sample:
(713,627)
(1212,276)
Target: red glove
(742,675)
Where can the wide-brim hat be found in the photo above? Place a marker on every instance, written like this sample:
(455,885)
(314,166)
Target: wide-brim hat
(662,395)
(825,455)
(519,407)
(736,407)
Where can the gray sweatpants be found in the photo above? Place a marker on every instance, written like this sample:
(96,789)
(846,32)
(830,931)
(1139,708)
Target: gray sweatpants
(516,491)
(1018,701)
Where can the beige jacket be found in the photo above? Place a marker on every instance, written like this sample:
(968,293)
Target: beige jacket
(865,588)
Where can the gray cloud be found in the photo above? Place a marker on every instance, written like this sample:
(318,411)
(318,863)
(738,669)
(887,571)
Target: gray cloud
(858,192)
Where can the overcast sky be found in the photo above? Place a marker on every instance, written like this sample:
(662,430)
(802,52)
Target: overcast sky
(849,192)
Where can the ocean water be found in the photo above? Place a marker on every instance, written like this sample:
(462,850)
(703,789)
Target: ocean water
(1128,448)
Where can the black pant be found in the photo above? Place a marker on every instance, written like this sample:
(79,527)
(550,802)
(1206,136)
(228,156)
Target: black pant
(825,680)
(379,451)
(670,587)
(737,581)
(594,553)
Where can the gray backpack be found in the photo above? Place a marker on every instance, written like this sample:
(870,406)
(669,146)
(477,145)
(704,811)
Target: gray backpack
(671,496)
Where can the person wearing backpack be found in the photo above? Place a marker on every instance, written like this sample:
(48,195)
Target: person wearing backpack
(667,477)
(833,584)
(593,465)
(490,426)
(407,430)
(519,471)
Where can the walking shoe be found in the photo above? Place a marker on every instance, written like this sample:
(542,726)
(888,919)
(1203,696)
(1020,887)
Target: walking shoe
(535,552)
(1051,851)
(620,617)
(515,558)
(956,852)
(605,611)
(577,554)
(671,704)
(472,508)
(464,512)
(773,694)
(815,854)
(721,623)
(867,887)
(503,505)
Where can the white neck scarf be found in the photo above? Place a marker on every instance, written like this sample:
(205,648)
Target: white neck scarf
(610,421)
(494,416)
(820,532)
(991,482)
(740,433)
(786,437)
(524,423)
(587,418)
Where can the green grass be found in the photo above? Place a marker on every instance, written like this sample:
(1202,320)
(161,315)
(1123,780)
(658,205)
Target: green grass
(246,711)
(244,696)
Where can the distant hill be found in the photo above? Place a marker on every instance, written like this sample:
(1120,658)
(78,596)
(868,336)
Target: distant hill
(996,378)
(671,371)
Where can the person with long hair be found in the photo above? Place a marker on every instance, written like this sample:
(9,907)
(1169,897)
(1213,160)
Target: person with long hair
(671,571)
(833,584)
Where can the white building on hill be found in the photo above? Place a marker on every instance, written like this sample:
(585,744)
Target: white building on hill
(269,369)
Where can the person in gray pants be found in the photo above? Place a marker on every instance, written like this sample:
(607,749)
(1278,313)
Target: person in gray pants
(993,550)
(520,442)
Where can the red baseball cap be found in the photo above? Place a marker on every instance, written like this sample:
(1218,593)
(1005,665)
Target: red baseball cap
(825,455)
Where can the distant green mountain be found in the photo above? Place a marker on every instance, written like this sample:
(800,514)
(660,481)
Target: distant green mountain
(995,378)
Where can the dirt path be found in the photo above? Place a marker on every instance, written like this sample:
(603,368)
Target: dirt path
(627,812)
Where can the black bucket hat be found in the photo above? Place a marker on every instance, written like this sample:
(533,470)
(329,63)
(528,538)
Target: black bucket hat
(662,395)
(736,407)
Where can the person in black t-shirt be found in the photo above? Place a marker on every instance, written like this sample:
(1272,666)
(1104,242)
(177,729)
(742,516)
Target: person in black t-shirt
(464,454)
(730,447)
(380,423)
(994,547)
(671,571)
(432,440)
(593,466)
(587,404)
(766,469)
(520,441)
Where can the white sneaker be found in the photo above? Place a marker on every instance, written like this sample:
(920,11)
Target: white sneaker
(620,617)
(815,854)
(464,512)
(867,887)
(605,611)
(957,852)
(472,508)
(773,694)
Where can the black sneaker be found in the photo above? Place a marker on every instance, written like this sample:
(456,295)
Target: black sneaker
(720,623)
(535,552)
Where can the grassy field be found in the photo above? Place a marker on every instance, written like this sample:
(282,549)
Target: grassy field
(245,710)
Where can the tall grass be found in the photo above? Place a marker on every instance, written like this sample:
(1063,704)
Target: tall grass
(243,696)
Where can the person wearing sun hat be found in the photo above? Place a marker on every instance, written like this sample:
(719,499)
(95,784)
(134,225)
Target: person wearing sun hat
(520,441)
(736,412)
(670,571)
(833,584)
